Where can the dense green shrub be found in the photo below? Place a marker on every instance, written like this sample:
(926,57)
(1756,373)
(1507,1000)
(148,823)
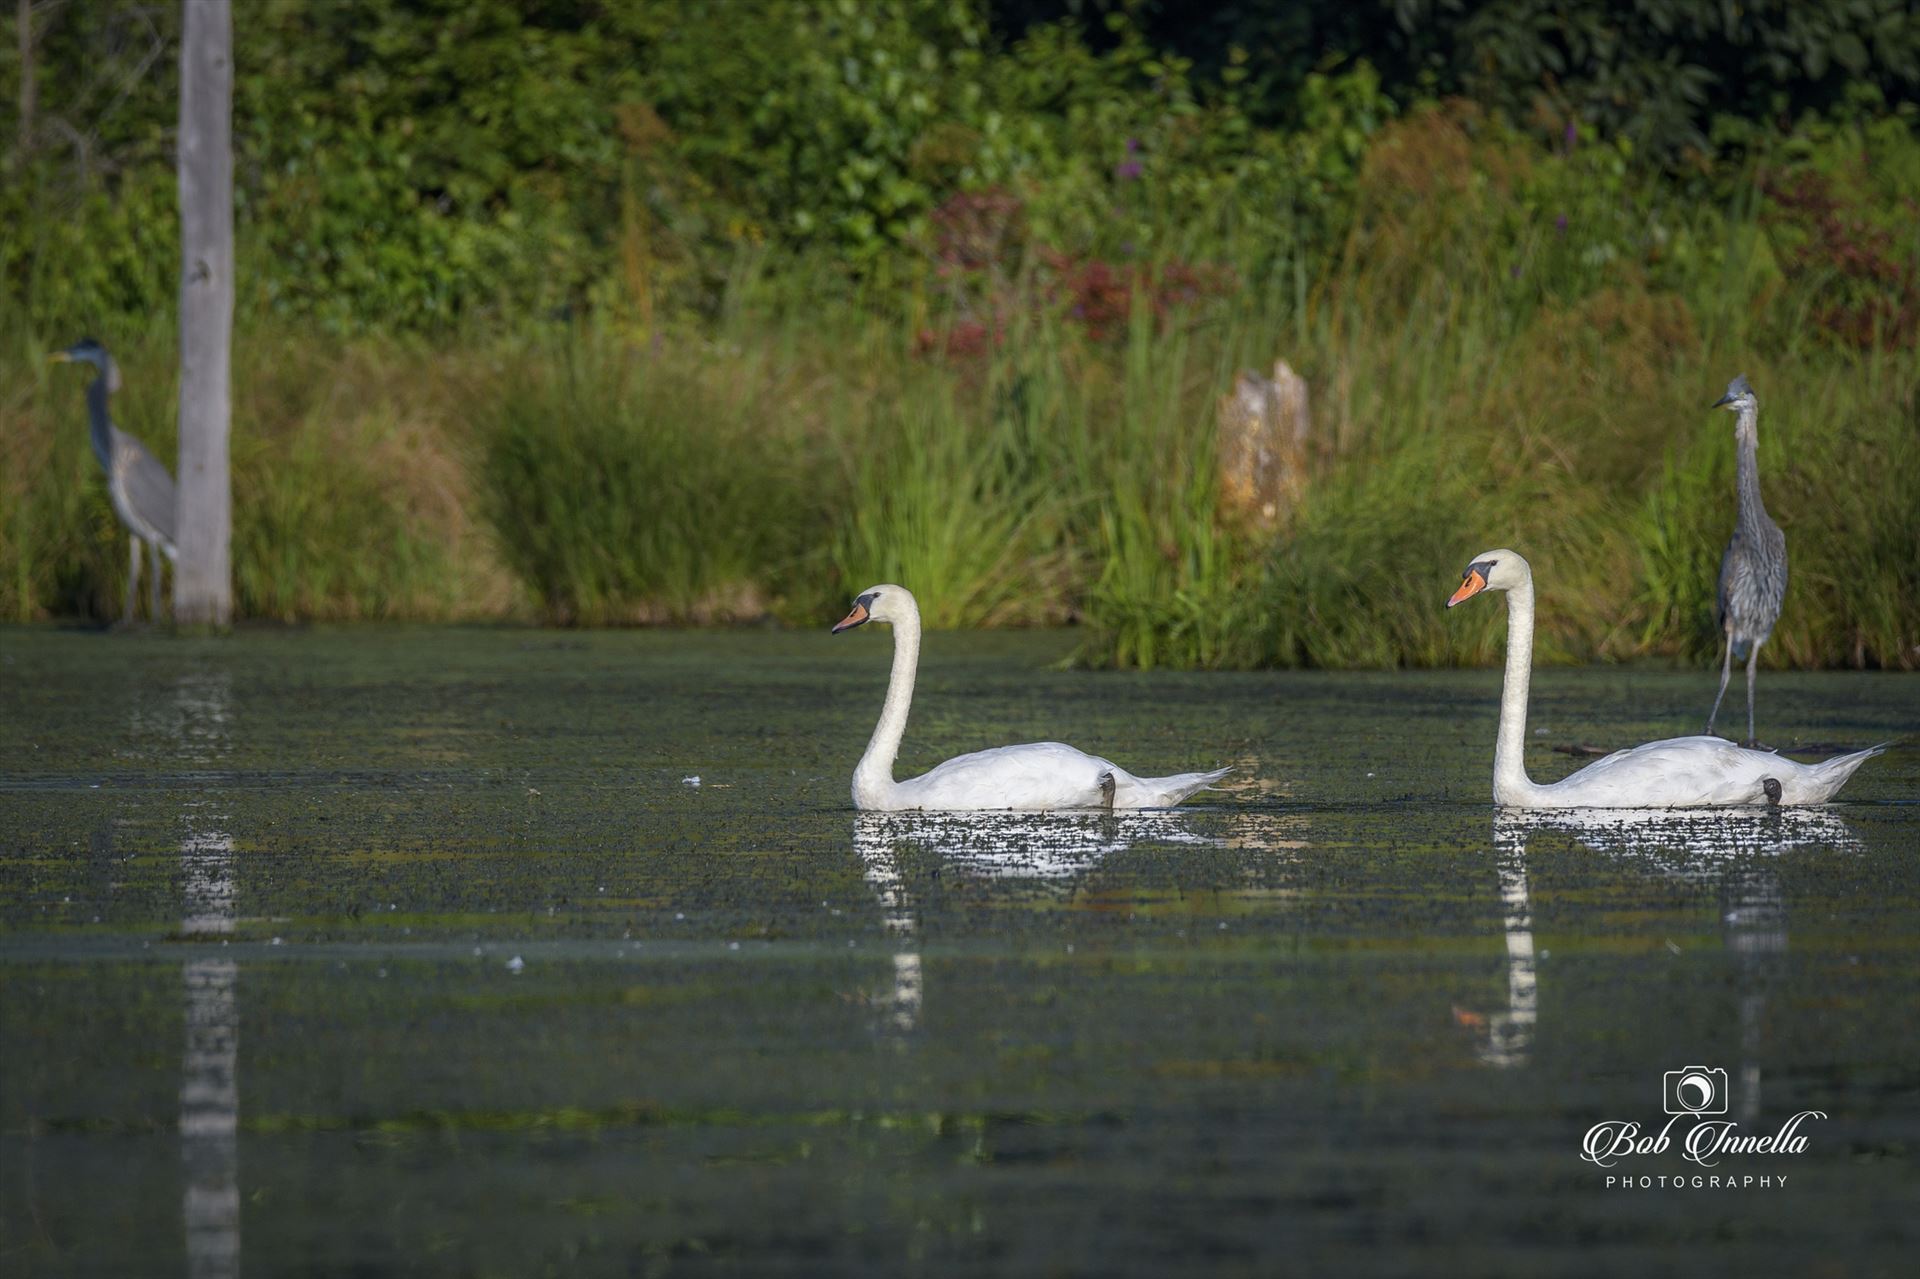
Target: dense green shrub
(1661,73)
(418,165)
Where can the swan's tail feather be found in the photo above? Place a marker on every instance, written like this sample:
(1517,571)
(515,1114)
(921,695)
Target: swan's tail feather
(1829,775)
(1169,791)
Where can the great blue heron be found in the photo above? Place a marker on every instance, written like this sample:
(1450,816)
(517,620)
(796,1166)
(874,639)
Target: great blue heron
(139,485)
(1753,571)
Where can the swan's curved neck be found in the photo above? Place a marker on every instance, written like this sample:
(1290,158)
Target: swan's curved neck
(873,779)
(1510,782)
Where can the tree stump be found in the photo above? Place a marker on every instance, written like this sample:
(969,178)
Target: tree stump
(1264,426)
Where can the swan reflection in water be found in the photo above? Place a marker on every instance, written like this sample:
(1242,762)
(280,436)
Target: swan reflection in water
(1724,847)
(1041,852)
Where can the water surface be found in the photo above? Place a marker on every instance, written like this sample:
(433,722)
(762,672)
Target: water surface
(502,952)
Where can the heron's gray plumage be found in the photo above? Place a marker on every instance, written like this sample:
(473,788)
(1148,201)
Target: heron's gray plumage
(137,482)
(144,489)
(1753,570)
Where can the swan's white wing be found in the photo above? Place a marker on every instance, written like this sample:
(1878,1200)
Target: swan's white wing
(1675,773)
(1033,776)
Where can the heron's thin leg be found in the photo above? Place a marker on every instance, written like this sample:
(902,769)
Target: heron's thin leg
(1753,660)
(1726,671)
(133,578)
(153,589)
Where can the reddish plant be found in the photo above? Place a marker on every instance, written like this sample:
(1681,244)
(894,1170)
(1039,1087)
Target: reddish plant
(976,232)
(965,340)
(1874,296)
(977,237)
(1100,296)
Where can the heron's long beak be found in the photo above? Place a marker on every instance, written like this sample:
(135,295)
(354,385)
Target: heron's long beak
(1725,399)
(59,357)
(856,618)
(1469,588)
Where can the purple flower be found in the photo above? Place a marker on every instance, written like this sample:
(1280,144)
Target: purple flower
(1128,170)
(1560,224)
(1133,144)
(1515,272)
(1571,135)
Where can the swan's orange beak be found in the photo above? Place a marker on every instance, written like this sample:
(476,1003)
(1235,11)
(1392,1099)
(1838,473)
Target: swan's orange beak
(1471,587)
(856,618)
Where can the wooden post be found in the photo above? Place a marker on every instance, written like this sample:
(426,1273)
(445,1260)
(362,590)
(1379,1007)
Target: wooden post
(203,579)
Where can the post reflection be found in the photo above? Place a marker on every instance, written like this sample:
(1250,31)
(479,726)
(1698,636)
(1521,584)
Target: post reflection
(210,1120)
(1754,915)
(1016,853)
(209,1086)
(1728,848)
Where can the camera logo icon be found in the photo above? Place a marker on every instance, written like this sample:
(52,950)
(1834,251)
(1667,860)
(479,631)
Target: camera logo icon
(1695,1090)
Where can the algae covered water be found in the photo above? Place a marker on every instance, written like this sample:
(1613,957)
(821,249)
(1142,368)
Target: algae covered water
(513,952)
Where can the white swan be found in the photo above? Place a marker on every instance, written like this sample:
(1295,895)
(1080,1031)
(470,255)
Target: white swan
(1034,778)
(1681,772)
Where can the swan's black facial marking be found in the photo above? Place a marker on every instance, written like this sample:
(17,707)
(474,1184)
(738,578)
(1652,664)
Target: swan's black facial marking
(1473,581)
(1771,785)
(862,613)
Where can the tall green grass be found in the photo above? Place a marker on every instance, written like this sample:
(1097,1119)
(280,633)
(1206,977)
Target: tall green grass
(627,484)
(945,503)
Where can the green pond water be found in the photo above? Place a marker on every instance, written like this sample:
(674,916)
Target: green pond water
(355,951)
